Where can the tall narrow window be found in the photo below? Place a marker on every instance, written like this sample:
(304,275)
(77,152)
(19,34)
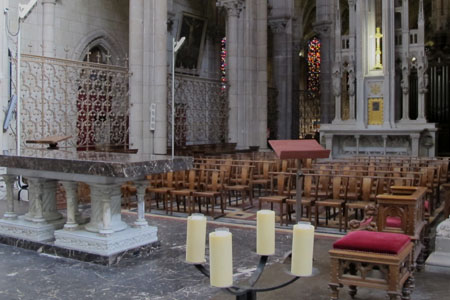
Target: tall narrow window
(223,63)
(310,105)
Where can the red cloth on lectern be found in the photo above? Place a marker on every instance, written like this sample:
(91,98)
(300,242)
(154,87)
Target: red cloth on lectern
(286,149)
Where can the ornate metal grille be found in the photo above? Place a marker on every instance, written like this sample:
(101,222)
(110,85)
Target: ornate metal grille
(201,111)
(88,101)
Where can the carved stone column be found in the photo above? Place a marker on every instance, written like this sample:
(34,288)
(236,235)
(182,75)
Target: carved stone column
(405,91)
(423,86)
(48,28)
(337,77)
(71,189)
(233,8)
(42,200)
(384,144)
(141,186)
(105,209)
(357,138)
(9,182)
(415,144)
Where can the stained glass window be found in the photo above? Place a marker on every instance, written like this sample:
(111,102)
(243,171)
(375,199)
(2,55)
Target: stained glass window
(223,63)
(314,65)
(310,104)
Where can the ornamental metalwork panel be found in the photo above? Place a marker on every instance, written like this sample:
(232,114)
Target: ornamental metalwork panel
(201,111)
(88,101)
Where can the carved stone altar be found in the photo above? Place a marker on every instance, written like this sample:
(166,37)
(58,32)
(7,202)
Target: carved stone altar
(373,68)
(439,261)
(105,234)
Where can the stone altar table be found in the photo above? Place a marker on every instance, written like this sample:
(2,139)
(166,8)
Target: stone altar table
(105,234)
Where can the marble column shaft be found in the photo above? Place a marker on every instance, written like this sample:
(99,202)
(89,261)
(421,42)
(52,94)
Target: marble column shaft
(141,187)
(71,189)
(48,28)
(9,182)
(105,209)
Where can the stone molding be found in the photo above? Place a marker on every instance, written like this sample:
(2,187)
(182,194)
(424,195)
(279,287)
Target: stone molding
(233,7)
(323,28)
(93,243)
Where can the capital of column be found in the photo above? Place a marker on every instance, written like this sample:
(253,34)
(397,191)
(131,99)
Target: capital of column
(278,25)
(233,7)
(351,3)
(323,28)
(48,2)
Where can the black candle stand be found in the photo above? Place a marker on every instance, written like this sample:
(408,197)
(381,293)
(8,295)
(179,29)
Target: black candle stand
(249,292)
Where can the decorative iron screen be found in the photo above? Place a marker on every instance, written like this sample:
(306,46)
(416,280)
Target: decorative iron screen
(88,101)
(201,111)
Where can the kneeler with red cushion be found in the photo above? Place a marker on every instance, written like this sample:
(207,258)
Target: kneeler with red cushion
(371,259)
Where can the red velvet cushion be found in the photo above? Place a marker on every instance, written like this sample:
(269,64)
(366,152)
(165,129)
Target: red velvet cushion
(395,222)
(370,241)
(427,205)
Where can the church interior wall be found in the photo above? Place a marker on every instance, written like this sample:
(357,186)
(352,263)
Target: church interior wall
(74,20)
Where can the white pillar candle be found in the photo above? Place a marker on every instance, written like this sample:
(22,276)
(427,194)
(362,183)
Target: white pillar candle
(302,249)
(265,232)
(221,258)
(196,239)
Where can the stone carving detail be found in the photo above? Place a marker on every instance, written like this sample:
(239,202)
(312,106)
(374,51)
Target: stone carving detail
(337,76)
(422,75)
(105,247)
(233,7)
(351,79)
(405,75)
(278,25)
(443,229)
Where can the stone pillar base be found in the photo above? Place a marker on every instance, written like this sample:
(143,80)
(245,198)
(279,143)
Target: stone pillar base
(106,245)
(36,232)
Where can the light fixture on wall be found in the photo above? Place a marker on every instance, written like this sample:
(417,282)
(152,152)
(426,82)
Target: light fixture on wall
(176,45)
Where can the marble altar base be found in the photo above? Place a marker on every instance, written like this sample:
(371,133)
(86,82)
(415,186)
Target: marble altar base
(36,232)
(439,261)
(106,245)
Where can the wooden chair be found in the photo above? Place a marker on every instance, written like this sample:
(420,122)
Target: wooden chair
(243,187)
(186,191)
(279,195)
(211,194)
(359,205)
(164,191)
(128,190)
(336,202)
(263,178)
(308,200)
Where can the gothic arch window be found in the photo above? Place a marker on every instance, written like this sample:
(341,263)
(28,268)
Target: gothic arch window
(97,54)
